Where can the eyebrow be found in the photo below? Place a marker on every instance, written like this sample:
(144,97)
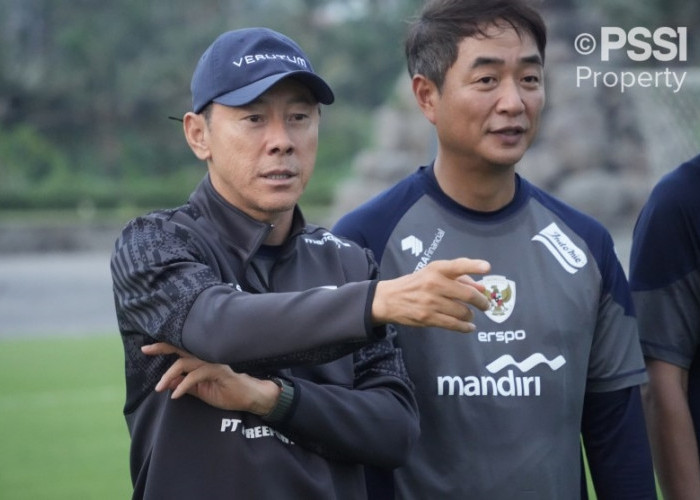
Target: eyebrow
(486,61)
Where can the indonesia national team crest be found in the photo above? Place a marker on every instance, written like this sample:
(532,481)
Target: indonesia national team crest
(501,294)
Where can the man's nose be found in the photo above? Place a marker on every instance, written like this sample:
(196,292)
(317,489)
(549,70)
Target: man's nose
(511,99)
(279,139)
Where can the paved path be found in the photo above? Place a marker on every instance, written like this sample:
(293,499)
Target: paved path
(55,294)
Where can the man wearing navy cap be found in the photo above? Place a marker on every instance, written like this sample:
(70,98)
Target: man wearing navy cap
(257,357)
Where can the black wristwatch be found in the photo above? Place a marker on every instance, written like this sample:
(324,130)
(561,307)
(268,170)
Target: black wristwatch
(283,403)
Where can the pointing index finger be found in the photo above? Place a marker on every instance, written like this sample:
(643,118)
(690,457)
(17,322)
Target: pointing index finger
(461,266)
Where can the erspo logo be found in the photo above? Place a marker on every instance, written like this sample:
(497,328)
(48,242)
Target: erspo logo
(635,45)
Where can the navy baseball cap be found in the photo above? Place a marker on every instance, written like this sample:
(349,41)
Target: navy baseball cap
(242,64)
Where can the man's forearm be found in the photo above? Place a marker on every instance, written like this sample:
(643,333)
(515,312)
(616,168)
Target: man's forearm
(617,446)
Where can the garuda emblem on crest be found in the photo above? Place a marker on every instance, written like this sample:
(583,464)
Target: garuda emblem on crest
(501,295)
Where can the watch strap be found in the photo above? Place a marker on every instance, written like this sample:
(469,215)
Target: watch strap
(284,402)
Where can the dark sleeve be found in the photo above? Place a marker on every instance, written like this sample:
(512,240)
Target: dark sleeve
(166,290)
(261,331)
(379,482)
(616,444)
(373,422)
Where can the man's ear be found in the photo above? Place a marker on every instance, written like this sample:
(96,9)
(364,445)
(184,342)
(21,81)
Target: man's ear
(197,134)
(426,93)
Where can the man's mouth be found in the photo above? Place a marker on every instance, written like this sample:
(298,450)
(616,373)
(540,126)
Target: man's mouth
(509,131)
(280,175)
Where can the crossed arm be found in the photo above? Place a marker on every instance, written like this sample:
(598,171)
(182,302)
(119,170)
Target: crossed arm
(366,415)
(215,384)
(441,294)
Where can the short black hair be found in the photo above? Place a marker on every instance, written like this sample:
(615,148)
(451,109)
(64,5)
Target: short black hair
(433,39)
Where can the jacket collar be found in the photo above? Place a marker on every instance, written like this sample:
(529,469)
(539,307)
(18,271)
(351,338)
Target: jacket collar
(235,228)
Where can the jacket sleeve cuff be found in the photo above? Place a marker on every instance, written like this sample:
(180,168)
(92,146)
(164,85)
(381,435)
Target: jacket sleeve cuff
(374,332)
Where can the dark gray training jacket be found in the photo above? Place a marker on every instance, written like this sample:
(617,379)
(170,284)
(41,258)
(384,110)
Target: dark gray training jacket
(185,276)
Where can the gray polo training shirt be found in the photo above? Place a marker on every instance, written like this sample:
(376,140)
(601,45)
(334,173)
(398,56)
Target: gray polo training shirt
(501,408)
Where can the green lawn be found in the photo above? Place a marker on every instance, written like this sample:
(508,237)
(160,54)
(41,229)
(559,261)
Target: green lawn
(62,433)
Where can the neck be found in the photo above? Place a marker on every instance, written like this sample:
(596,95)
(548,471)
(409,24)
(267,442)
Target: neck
(482,188)
(281,226)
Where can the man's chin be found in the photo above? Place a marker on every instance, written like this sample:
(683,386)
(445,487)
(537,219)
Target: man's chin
(279,208)
(507,160)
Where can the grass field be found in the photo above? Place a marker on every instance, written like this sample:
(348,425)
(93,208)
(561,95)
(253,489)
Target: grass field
(62,433)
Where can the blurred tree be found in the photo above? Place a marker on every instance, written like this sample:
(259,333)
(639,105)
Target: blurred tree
(95,81)
(89,84)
